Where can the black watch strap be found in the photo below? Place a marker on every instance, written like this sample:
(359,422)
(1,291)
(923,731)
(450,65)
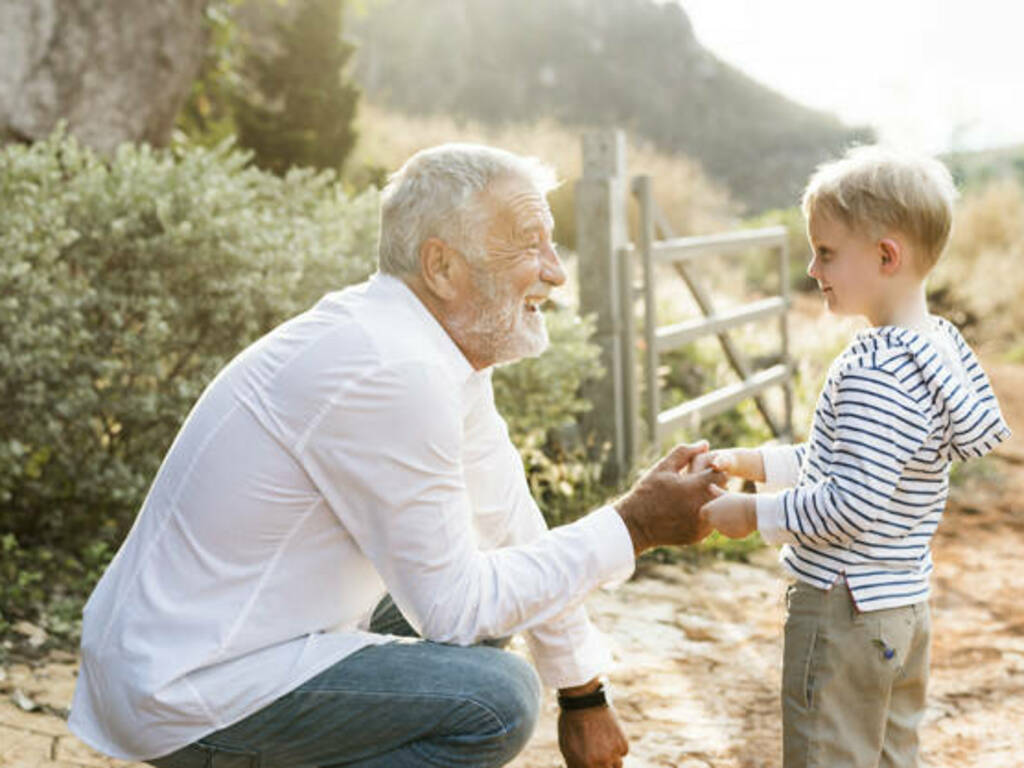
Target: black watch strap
(596,698)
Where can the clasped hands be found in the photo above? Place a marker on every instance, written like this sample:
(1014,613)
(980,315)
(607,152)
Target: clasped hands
(682,498)
(733,514)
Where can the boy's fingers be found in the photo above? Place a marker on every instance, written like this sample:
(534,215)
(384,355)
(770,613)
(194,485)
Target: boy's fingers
(724,462)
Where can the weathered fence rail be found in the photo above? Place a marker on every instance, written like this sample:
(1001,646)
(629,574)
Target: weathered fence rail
(606,267)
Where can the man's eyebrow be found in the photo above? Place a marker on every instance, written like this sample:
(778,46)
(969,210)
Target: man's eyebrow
(540,225)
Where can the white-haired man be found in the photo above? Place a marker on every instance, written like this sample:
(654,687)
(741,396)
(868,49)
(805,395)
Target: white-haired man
(355,452)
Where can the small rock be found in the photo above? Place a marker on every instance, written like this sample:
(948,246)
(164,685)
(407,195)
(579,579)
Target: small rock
(36,635)
(22,701)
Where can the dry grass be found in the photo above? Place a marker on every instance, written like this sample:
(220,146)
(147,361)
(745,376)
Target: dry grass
(692,202)
(979,278)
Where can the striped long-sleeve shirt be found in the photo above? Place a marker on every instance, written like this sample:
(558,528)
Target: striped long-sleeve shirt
(871,482)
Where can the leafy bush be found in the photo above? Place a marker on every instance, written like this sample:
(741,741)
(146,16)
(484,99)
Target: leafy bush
(539,399)
(125,285)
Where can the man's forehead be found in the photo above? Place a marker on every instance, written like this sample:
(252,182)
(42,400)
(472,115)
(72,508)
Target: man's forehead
(518,205)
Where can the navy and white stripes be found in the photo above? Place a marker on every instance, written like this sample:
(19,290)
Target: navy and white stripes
(896,408)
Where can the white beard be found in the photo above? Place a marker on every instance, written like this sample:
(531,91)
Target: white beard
(500,327)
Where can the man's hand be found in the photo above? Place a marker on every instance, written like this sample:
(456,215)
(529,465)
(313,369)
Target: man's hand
(664,506)
(734,514)
(591,738)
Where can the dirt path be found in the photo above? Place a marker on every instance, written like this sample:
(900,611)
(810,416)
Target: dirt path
(698,649)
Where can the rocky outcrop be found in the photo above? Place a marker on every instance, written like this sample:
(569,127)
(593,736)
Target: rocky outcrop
(115,71)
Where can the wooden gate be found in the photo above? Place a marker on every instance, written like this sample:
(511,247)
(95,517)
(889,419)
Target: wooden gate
(607,266)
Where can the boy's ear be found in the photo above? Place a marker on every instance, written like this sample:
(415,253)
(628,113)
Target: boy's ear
(437,267)
(891,255)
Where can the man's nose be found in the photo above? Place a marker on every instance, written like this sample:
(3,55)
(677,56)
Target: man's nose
(551,269)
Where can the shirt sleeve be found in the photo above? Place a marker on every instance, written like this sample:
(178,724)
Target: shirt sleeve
(387,457)
(781,465)
(567,649)
(866,429)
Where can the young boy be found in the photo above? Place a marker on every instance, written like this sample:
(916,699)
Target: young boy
(867,490)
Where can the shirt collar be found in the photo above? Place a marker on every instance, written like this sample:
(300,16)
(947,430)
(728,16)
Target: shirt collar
(395,288)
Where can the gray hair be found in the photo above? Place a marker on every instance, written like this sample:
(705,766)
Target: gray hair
(438,193)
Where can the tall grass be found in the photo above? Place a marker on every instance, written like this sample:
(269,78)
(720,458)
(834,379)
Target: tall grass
(979,282)
(692,202)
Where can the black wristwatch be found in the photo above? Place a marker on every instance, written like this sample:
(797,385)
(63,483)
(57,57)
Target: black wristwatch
(596,698)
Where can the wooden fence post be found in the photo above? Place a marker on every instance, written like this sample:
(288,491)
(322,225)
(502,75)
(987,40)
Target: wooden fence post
(606,289)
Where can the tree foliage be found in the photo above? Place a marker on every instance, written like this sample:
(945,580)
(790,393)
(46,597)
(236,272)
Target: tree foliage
(276,74)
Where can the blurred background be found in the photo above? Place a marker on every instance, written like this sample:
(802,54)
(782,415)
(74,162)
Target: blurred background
(178,176)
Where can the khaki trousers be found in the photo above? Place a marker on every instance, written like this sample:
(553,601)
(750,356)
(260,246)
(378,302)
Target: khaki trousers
(853,684)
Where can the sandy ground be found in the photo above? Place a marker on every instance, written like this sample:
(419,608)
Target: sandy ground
(699,649)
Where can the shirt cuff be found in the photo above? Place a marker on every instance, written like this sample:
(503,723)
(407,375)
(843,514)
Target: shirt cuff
(612,544)
(781,468)
(588,656)
(771,519)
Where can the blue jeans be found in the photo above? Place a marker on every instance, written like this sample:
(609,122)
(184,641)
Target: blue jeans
(413,703)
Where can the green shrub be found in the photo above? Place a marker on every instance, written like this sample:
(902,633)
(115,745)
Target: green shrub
(539,399)
(124,287)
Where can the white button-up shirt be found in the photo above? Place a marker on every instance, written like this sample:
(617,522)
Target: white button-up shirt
(351,451)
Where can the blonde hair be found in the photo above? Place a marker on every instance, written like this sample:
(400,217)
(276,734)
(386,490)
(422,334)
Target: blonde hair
(873,189)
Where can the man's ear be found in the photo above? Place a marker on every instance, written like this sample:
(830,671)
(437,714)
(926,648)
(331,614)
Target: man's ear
(437,268)
(891,255)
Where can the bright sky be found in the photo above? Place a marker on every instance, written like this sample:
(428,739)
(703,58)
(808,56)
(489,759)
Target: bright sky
(932,75)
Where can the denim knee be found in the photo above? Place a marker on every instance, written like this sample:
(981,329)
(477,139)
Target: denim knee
(513,695)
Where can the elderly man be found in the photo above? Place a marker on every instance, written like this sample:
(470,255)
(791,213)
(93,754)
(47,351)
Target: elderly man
(355,452)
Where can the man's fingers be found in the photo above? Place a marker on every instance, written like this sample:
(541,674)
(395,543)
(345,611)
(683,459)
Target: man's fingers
(712,478)
(680,456)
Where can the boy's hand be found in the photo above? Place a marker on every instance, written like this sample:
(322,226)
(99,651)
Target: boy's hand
(718,460)
(734,514)
(745,463)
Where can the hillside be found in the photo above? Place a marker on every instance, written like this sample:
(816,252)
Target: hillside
(631,63)
(977,168)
